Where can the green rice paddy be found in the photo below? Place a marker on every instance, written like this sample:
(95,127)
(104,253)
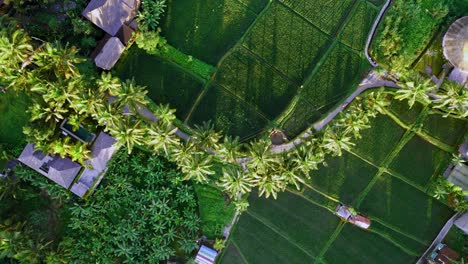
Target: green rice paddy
(271,60)
(385,179)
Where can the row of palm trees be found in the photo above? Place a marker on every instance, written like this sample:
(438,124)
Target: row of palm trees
(449,100)
(59,91)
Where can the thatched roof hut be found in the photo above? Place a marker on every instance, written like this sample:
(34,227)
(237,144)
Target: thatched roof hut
(455,44)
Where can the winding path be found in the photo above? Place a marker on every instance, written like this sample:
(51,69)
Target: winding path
(372,33)
(373,80)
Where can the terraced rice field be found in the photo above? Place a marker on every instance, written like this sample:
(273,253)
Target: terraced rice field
(386,177)
(277,63)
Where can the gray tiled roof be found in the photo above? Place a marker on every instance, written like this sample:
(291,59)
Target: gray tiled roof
(101,152)
(109,54)
(110,15)
(61,170)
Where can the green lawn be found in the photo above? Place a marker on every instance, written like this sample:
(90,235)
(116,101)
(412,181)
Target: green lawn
(13,117)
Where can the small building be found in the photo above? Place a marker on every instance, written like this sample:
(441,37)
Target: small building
(348,215)
(462,222)
(117,19)
(60,170)
(109,53)
(111,15)
(101,152)
(442,254)
(70,175)
(206,255)
(277,137)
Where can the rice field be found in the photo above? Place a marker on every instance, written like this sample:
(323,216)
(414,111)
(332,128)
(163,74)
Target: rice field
(384,178)
(278,63)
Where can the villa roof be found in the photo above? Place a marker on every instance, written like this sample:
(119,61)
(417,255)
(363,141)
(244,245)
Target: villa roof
(125,34)
(455,44)
(102,151)
(109,53)
(110,15)
(462,222)
(61,170)
(206,255)
(459,176)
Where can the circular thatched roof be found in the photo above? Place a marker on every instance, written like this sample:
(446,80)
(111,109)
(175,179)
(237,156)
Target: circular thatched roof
(456,44)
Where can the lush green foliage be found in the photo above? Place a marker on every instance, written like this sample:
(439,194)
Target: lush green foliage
(53,20)
(214,211)
(141,213)
(31,218)
(150,14)
(449,100)
(407,29)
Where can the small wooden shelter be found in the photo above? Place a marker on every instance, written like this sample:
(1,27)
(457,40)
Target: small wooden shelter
(346,214)
(206,255)
(442,254)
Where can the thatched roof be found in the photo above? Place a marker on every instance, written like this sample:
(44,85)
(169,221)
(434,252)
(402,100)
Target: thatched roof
(110,15)
(109,53)
(455,44)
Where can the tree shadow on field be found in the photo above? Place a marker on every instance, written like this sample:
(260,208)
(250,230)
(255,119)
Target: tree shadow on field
(205,29)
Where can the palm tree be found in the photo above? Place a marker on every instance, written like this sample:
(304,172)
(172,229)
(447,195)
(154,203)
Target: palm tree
(235,181)
(241,205)
(108,85)
(334,143)
(452,99)
(292,174)
(78,152)
(197,167)
(415,90)
(376,102)
(306,159)
(105,115)
(162,137)
(261,159)
(206,136)
(353,121)
(132,96)
(15,48)
(184,152)
(59,59)
(128,134)
(229,151)
(165,114)
(59,147)
(270,184)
